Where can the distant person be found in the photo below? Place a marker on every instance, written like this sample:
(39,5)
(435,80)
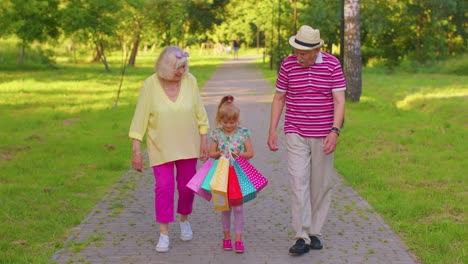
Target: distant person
(229,137)
(236,46)
(312,86)
(171,113)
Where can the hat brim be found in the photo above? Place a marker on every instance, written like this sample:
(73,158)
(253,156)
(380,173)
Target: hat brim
(301,47)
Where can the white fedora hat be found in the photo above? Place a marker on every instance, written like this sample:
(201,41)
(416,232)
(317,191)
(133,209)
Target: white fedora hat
(306,38)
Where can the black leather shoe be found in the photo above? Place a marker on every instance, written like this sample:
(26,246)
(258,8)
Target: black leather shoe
(315,243)
(299,248)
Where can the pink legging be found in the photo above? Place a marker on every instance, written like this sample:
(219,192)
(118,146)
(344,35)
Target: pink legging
(238,219)
(165,187)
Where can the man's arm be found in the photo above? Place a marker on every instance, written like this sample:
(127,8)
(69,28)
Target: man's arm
(277,106)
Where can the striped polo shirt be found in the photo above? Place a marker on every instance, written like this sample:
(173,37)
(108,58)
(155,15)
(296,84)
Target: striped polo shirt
(309,100)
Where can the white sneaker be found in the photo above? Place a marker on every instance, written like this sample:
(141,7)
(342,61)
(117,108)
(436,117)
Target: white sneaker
(185,231)
(163,244)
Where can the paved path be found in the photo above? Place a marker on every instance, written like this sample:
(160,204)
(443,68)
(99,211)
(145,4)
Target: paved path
(121,229)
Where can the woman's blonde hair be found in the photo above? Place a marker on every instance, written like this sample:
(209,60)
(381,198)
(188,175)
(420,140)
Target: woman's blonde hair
(227,111)
(171,58)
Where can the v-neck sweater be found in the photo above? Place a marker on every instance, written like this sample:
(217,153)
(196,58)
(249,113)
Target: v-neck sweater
(172,129)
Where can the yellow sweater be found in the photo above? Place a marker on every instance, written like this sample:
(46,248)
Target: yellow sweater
(172,128)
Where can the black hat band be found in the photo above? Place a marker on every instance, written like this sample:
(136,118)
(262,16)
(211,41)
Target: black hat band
(306,44)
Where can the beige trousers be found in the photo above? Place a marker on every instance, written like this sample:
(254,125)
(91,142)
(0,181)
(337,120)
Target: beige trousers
(311,182)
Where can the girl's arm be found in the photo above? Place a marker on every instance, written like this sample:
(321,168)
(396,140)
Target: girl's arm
(213,153)
(249,152)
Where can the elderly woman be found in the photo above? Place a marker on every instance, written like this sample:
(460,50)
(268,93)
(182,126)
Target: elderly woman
(171,113)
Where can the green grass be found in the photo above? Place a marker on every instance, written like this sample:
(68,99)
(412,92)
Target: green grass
(62,145)
(404,149)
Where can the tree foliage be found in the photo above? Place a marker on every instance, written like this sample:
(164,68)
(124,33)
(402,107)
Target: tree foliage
(391,30)
(30,20)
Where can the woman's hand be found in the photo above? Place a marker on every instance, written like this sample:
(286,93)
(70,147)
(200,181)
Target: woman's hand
(137,158)
(203,153)
(137,161)
(203,148)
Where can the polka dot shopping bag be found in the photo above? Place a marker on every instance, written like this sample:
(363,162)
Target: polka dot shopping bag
(252,173)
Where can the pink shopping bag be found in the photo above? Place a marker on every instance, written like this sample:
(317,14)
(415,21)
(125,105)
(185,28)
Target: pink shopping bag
(254,175)
(197,180)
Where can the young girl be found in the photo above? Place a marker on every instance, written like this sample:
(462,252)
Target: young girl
(229,137)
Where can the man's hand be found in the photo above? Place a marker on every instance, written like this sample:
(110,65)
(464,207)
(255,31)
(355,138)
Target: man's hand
(273,141)
(329,144)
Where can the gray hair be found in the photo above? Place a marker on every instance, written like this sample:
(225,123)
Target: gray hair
(167,62)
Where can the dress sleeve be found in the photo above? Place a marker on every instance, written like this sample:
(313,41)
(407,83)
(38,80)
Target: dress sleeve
(215,136)
(246,132)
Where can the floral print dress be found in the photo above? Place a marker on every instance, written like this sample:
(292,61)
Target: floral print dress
(232,142)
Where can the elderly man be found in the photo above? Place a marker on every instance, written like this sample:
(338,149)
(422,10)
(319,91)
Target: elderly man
(312,86)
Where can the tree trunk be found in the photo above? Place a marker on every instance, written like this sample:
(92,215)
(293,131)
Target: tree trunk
(21,55)
(101,55)
(258,40)
(136,42)
(352,54)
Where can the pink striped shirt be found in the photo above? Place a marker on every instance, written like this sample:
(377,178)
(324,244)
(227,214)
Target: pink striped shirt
(309,100)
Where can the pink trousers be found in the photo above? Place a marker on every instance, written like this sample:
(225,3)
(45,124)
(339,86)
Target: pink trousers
(164,176)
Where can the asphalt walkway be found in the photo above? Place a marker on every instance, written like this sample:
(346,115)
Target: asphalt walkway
(121,228)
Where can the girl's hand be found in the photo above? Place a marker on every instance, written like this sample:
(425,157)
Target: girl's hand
(220,153)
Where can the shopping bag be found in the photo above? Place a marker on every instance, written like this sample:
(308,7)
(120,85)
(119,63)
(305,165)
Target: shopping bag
(254,175)
(234,192)
(219,184)
(248,190)
(206,182)
(197,180)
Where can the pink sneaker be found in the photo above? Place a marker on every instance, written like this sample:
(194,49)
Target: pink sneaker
(239,247)
(227,244)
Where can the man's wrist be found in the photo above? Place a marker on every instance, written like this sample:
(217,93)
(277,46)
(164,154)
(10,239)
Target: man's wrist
(335,130)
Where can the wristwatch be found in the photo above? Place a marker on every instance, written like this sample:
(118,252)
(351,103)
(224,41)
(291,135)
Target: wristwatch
(335,130)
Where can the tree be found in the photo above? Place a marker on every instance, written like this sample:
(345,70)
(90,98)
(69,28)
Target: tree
(132,20)
(352,57)
(31,20)
(94,22)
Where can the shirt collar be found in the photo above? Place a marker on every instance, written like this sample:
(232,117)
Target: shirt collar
(319,58)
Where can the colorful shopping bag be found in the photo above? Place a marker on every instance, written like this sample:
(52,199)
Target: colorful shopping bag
(248,190)
(235,197)
(219,184)
(197,180)
(206,182)
(254,175)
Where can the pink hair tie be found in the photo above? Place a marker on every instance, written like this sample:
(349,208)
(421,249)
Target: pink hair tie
(181,54)
(230,98)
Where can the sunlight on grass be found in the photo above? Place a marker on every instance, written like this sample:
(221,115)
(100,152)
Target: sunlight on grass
(409,100)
